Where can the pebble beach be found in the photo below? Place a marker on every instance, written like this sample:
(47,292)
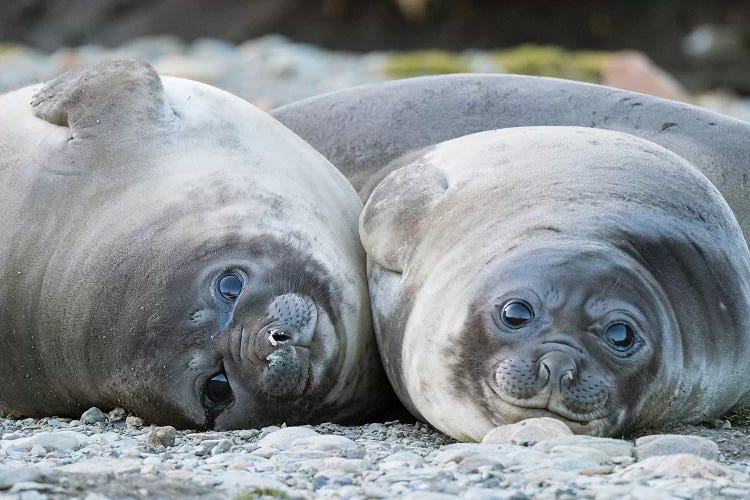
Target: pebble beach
(117,456)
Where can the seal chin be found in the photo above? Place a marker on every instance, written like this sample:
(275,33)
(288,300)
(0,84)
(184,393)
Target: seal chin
(596,422)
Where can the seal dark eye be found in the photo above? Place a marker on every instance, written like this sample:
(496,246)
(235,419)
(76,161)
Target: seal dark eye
(230,286)
(620,336)
(218,390)
(516,313)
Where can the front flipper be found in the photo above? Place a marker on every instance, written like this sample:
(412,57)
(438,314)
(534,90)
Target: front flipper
(104,98)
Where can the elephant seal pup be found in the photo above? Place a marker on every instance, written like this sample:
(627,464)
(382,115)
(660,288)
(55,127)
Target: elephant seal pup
(581,274)
(168,248)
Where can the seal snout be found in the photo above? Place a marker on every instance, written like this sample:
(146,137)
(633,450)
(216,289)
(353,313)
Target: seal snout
(557,367)
(557,382)
(283,344)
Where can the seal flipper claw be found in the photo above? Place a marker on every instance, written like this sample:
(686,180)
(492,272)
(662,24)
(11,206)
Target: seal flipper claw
(109,96)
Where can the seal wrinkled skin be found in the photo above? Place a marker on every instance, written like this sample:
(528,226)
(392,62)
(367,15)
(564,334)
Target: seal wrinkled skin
(595,275)
(168,248)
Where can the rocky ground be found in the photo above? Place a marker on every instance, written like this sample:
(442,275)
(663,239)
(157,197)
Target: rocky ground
(272,71)
(110,456)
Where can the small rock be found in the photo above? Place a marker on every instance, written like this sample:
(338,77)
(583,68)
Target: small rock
(117,415)
(281,439)
(470,457)
(612,447)
(631,70)
(163,436)
(93,416)
(581,452)
(60,441)
(683,465)
(9,476)
(530,431)
(673,444)
(133,422)
(335,445)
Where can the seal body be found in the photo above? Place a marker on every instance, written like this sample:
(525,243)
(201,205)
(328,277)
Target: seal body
(543,269)
(537,271)
(168,248)
(366,131)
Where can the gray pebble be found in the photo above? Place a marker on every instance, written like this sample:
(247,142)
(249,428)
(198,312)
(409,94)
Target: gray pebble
(93,416)
(281,439)
(527,431)
(9,476)
(672,444)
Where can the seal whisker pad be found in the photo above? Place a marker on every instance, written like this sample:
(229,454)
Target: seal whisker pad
(177,267)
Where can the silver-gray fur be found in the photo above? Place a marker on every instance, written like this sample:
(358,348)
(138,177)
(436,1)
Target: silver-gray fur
(544,269)
(362,129)
(168,248)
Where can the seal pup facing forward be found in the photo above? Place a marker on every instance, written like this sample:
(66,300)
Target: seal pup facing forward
(168,248)
(582,274)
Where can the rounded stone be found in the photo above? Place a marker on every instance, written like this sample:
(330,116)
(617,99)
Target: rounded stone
(527,431)
(93,416)
(672,444)
(163,436)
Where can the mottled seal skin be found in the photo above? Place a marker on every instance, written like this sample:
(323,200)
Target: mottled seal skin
(168,248)
(623,268)
(536,271)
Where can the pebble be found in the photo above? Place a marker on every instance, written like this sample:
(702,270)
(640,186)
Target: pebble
(672,444)
(528,431)
(93,416)
(62,441)
(132,422)
(9,476)
(611,447)
(163,436)
(682,465)
(281,439)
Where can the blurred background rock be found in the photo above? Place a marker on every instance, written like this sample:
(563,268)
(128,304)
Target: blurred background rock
(275,51)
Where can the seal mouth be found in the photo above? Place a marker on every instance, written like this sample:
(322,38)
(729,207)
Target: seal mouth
(594,422)
(286,351)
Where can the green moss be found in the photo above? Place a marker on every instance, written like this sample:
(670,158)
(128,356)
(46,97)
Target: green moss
(539,60)
(425,62)
(262,493)
(546,60)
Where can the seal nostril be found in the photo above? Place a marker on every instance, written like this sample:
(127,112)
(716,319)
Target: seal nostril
(276,337)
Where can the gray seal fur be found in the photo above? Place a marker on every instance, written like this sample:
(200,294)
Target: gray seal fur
(364,130)
(589,228)
(126,199)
